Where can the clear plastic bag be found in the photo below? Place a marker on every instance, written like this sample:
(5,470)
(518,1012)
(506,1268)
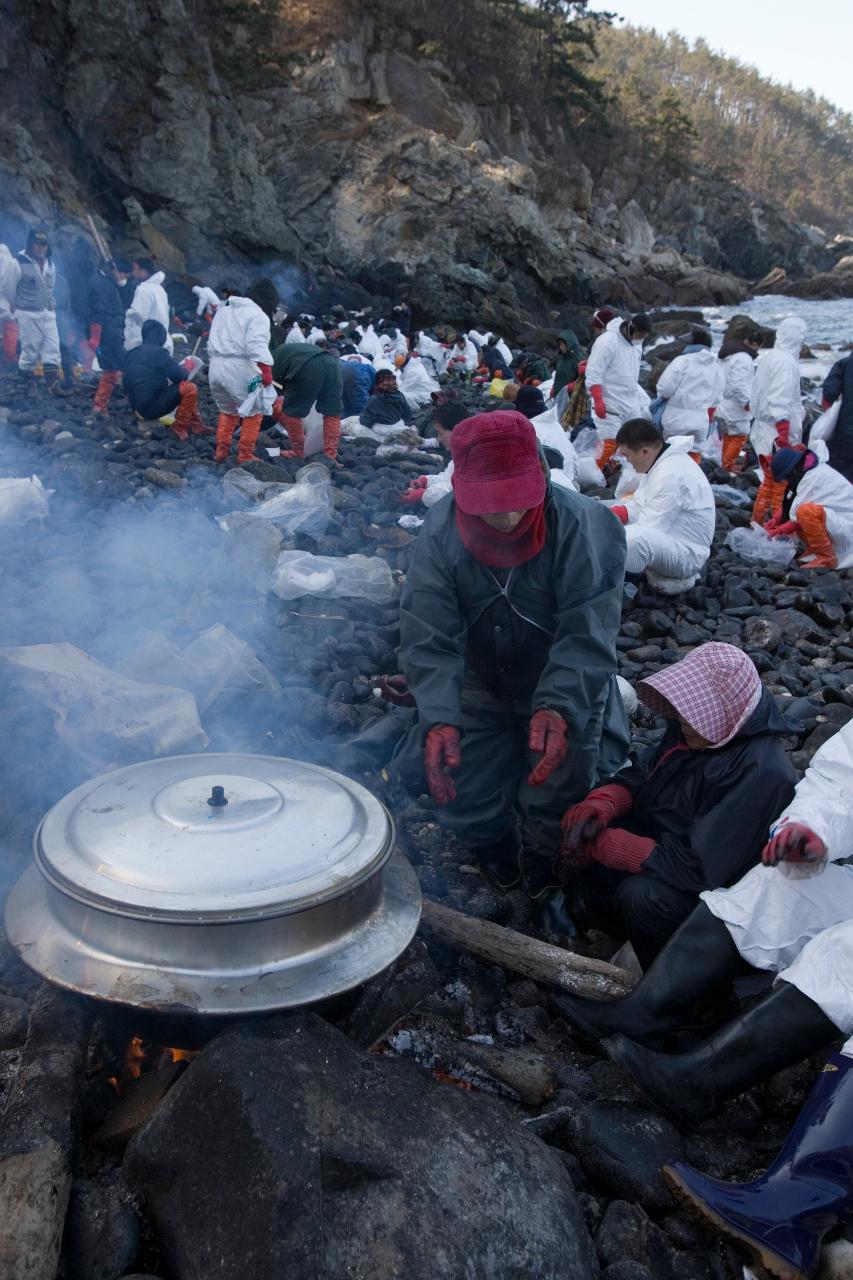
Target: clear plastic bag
(299,573)
(754,544)
(22,500)
(824,426)
(259,400)
(305,506)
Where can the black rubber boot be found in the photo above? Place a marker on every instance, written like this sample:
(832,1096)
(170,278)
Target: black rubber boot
(783,1029)
(551,916)
(699,959)
(500,863)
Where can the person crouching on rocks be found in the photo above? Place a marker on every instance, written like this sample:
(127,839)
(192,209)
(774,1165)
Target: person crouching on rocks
(156,385)
(639,850)
(387,406)
(239,346)
(817,506)
(508,628)
(310,378)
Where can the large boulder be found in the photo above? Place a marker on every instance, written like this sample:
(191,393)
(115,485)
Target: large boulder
(285,1152)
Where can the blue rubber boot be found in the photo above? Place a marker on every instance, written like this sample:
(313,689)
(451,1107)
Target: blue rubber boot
(781,1218)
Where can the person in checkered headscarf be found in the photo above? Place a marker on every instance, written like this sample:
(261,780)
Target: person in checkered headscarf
(694,816)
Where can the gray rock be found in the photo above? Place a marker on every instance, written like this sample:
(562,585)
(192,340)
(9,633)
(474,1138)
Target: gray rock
(13,1021)
(627,1270)
(163,479)
(320,1159)
(628,1234)
(762,633)
(622,1148)
(102,1233)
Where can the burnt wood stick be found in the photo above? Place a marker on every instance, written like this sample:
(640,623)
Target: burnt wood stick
(552,966)
(39,1136)
(525,1072)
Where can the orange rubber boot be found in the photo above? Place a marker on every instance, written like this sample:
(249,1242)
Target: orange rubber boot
(296,435)
(248,437)
(106,386)
(732,446)
(187,409)
(607,452)
(697,457)
(225,428)
(10,340)
(820,553)
(768,499)
(331,436)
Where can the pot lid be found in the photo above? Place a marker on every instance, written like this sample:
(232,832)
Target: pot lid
(213,837)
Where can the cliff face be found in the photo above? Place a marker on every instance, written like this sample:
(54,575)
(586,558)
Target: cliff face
(352,156)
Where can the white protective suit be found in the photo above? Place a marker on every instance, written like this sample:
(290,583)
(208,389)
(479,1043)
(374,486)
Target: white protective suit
(395,346)
(470,357)
(776,388)
(149,303)
(432,352)
(735,408)
(692,384)
(294,334)
(8,283)
(802,930)
(239,341)
(206,299)
(614,365)
(370,344)
(416,383)
(671,518)
(834,492)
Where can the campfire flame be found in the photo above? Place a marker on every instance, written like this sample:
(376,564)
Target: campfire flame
(141,1056)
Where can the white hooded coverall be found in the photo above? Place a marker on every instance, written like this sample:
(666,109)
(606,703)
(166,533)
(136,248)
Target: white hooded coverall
(149,303)
(776,388)
(692,384)
(614,365)
(671,516)
(206,299)
(239,341)
(8,283)
(735,408)
(802,930)
(463,359)
(416,383)
(831,490)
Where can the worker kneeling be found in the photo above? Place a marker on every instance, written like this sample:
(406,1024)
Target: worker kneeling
(157,386)
(671,516)
(817,506)
(509,619)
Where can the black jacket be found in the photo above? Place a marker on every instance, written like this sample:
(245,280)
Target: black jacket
(710,811)
(148,369)
(106,308)
(839,382)
(384,408)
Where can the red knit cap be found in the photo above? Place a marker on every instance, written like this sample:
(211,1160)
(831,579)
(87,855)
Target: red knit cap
(496,464)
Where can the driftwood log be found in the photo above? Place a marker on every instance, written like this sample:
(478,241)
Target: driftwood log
(552,966)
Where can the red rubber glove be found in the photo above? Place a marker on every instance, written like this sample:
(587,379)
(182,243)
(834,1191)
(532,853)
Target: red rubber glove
(621,513)
(442,751)
(415,491)
(785,530)
(783,434)
(266,374)
(396,690)
(825,404)
(586,820)
(621,850)
(711,413)
(793,842)
(187,364)
(597,393)
(94,339)
(548,735)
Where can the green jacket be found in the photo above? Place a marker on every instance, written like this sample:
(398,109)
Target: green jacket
(567,365)
(291,359)
(309,376)
(568,599)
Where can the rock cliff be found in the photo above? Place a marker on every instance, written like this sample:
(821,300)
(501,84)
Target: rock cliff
(225,143)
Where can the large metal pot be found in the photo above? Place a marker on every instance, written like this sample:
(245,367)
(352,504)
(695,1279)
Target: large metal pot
(221,885)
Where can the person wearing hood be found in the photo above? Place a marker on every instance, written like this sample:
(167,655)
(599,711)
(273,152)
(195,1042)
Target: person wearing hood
(508,624)
(358,377)
(207,302)
(415,380)
(35,309)
(777,409)
(310,378)
(737,360)
(692,385)
(529,401)
(8,289)
(531,368)
(157,386)
(839,384)
(464,356)
(149,303)
(387,405)
(671,516)
(612,378)
(105,339)
(569,355)
(402,318)
(817,506)
(239,349)
(694,815)
(493,362)
(601,318)
(791,917)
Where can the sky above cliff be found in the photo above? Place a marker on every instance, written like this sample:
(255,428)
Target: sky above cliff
(783,40)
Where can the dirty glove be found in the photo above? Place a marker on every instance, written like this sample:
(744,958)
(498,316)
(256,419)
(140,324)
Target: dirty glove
(266,374)
(711,413)
(621,513)
(415,491)
(620,850)
(793,842)
(783,434)
(826,404)
(442,751)
(583,822)
(94,339)
(597,394)
(548,735)
(786,530)
(395,689)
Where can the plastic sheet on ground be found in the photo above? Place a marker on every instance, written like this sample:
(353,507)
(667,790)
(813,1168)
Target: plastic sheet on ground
(305,506)
(754,544)
(238,484)
(22,500)
(299,573)
(730,494)
(216,664)
(100,716)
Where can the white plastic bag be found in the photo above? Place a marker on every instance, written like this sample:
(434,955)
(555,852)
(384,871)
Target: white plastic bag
(587,449)
(299,573)
(824,426)
(223,664)
(304,506)
(23,500)
(754,544)
(240,485)
(259,400)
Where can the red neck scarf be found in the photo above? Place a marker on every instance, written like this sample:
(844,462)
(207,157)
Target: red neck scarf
(503,550)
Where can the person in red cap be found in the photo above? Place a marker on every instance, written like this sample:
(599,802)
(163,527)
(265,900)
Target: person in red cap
(509,619)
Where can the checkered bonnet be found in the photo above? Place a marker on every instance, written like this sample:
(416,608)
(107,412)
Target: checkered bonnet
(715,689)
